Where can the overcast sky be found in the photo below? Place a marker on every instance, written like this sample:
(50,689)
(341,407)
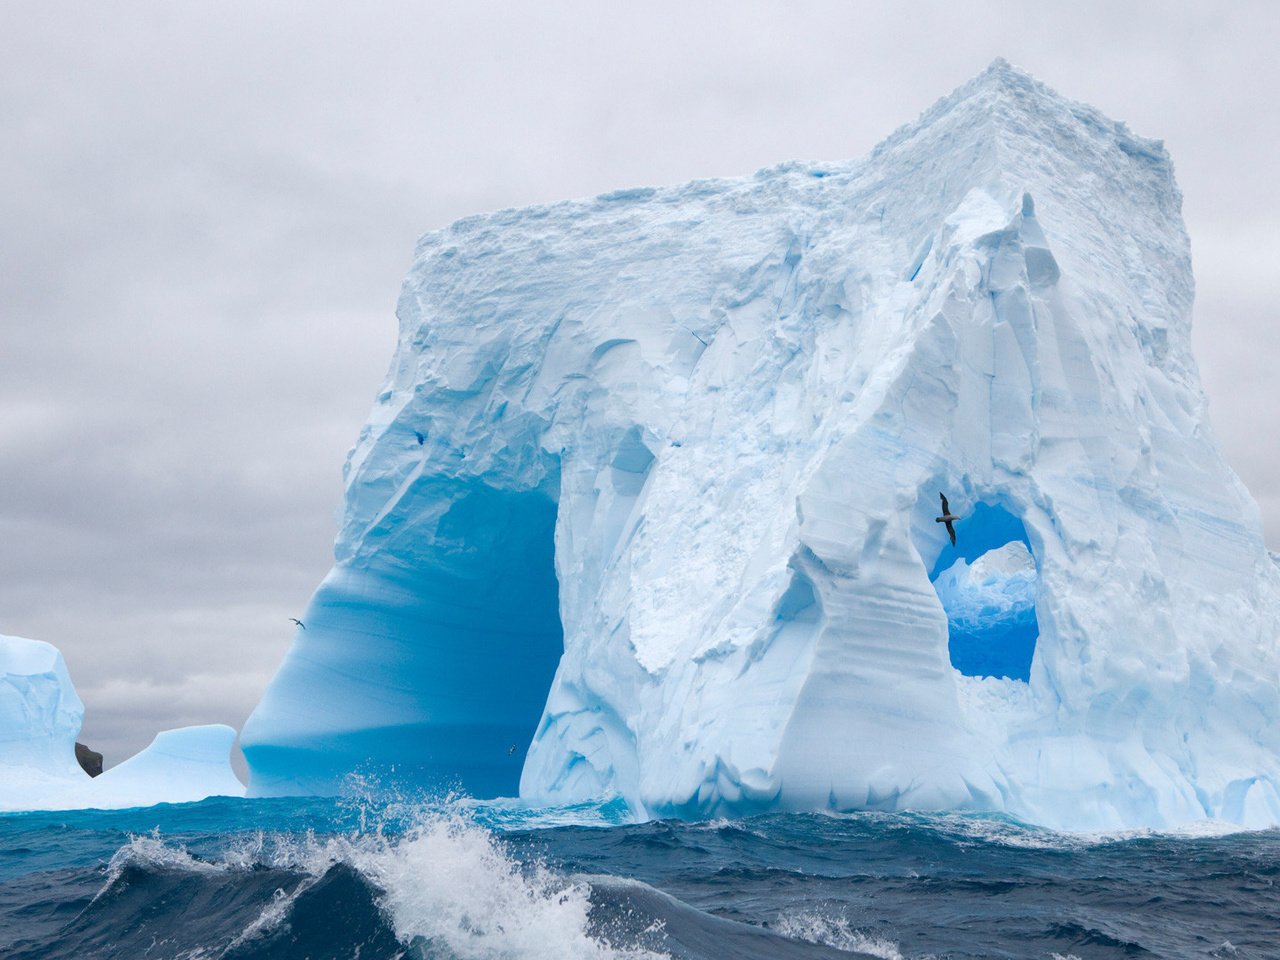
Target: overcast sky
(207,208)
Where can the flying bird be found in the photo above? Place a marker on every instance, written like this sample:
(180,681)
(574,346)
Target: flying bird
(947,517)
(511,749)
(298,622)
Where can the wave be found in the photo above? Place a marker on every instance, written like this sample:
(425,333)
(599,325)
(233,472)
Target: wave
(447,888)
(444,889)
(451,889)
(999,830)
(635,909)
(835,930)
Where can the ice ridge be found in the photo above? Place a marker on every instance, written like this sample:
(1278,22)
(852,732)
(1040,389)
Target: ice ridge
(646,506)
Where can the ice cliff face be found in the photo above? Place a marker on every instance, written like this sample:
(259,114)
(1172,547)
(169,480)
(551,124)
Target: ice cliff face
(647,504)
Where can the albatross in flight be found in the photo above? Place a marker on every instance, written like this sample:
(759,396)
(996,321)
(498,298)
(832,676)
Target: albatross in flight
(947,517)
(298,622)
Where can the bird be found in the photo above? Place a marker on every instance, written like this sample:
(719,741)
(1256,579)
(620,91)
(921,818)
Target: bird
(947,517)
(511,750)
(298,622)
(421,439)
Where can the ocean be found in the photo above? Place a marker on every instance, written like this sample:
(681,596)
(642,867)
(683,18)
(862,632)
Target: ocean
(288,879)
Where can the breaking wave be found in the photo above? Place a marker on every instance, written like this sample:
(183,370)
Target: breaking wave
(446,888)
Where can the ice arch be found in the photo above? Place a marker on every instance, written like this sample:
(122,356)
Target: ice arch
(426,658)
(987,585)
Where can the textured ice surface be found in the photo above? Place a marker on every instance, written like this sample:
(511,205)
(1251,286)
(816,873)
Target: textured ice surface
(693,438)
(40,716)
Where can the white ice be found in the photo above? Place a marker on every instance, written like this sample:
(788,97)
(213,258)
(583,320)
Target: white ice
(646,506)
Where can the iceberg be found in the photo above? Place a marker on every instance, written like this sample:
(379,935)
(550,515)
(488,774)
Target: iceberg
(646,506)
(179,766)
(40,717)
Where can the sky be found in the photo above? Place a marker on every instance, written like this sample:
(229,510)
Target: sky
(206,210)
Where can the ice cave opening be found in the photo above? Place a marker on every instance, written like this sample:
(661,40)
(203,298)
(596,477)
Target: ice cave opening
(491,634)
(426,659)
(987,585)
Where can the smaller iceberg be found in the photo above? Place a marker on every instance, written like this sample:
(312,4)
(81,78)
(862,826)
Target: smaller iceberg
(991,612)
(40,717)
(40,713)
(179,766)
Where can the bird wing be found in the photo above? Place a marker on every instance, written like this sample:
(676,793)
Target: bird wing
(945,508)
(951,532)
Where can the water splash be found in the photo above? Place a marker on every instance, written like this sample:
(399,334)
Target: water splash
(451,884)
(815,926)
(447,885)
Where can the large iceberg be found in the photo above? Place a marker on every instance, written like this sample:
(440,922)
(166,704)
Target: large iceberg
(40,716)
(646,507)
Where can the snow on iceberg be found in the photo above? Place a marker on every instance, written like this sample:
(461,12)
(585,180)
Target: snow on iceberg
(646,507)
(40,717)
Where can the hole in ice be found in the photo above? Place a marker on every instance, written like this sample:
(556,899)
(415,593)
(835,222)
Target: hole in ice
(983,528)
(987,586)
(459,631)
(991,615)
(799,604)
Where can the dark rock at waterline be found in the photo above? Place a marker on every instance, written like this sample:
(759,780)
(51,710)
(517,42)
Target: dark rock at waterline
(90,760)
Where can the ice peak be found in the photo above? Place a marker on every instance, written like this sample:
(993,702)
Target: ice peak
(1006,101)
(1000,72)
(1013,88)
(1007,134)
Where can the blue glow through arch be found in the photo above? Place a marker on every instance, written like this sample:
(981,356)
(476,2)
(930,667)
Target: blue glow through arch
(987,585)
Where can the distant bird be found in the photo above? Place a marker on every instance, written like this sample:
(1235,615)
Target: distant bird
(511,750)
(947,517)
(421,438)
(298,622)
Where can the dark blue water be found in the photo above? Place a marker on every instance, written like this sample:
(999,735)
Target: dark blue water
(287,879)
